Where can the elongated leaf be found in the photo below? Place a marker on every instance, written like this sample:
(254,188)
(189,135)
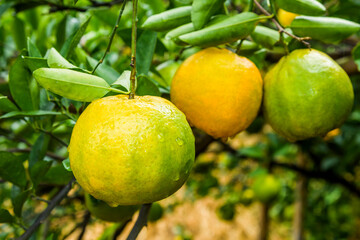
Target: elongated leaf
(38,113)
(18,198)
(39,149)
(72,84)
(39,170)
(326,29)
(61,32)
(6,217)
(169,19)
(34,63)
(266,37)
(12,169)
(104,71)
(32,49)
(19,84)
(18,32)
(4,7)
(202,10)
(71,43)
(6,105)
(145,51)
(175,33)
(304,7)
(55,60)
(225,31)
(57,175)
(356,55)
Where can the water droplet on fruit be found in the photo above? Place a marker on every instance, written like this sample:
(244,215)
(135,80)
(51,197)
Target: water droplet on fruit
(179,141)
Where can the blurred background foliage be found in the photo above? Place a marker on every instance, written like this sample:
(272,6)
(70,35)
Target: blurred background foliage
(32,148)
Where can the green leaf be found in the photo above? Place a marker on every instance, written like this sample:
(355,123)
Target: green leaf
(123,81)
(175,33)
(202,10)
(146,87)
(72,84)
(4,7)
(104,71)
(6,217)
(356,55)
(18,33)
(38,113)
(19,84)
(57,175)
(71,43)
(55,60)
(169,19)
(12,169)
(18,198)
(6,105)
(61,32)
(304,7)
(145,51)
(32,49)
(266,37)
(34,63)
(326,29)
(256,151)
(39,149)
(66,164)
(39,170)
(224,31)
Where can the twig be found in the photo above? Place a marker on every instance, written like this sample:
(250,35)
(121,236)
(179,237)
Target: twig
(49,154)
(54,137)
(85,222)
(133,51)
(141,220)
(55,201)
(280,28)
(111,37)
(40,199)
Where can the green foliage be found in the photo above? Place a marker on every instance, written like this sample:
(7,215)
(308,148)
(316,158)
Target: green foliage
(47,55)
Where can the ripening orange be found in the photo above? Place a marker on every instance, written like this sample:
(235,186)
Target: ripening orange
(219,91)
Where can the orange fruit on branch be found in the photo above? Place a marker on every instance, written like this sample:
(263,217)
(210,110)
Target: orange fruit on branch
(219,91)
(131,151)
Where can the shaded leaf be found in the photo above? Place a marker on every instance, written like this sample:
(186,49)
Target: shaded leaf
(19,84)
(71,43)
(6,105)
(39,170)
(104,71)
(39,149)
(18,33)
(32,49)
(123,81)
(326,29)
(266,37)
(12,169)
(6,217)
(57,175)
(145,50)
(18,198)
(34,63)
(356,55)
(22,114)
(146,87)
(304,7)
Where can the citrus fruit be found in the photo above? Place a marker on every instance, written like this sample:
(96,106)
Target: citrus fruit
(247,197)
(219,91)
(266,188)
(156,212)
(285,18)
(104,212)
(131,151)
(306,94)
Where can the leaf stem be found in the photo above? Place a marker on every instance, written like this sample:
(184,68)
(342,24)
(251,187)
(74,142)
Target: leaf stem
(111,37)
(280,28)
(133,51)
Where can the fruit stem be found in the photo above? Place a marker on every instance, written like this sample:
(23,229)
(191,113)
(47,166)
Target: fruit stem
(280,28)
(111,37)
(140,222)
(133,51)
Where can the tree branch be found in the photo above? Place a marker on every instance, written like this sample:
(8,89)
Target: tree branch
(280,28)
(140,222)
(53,203)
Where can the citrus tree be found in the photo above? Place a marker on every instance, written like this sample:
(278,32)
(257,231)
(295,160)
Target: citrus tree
(112,106)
